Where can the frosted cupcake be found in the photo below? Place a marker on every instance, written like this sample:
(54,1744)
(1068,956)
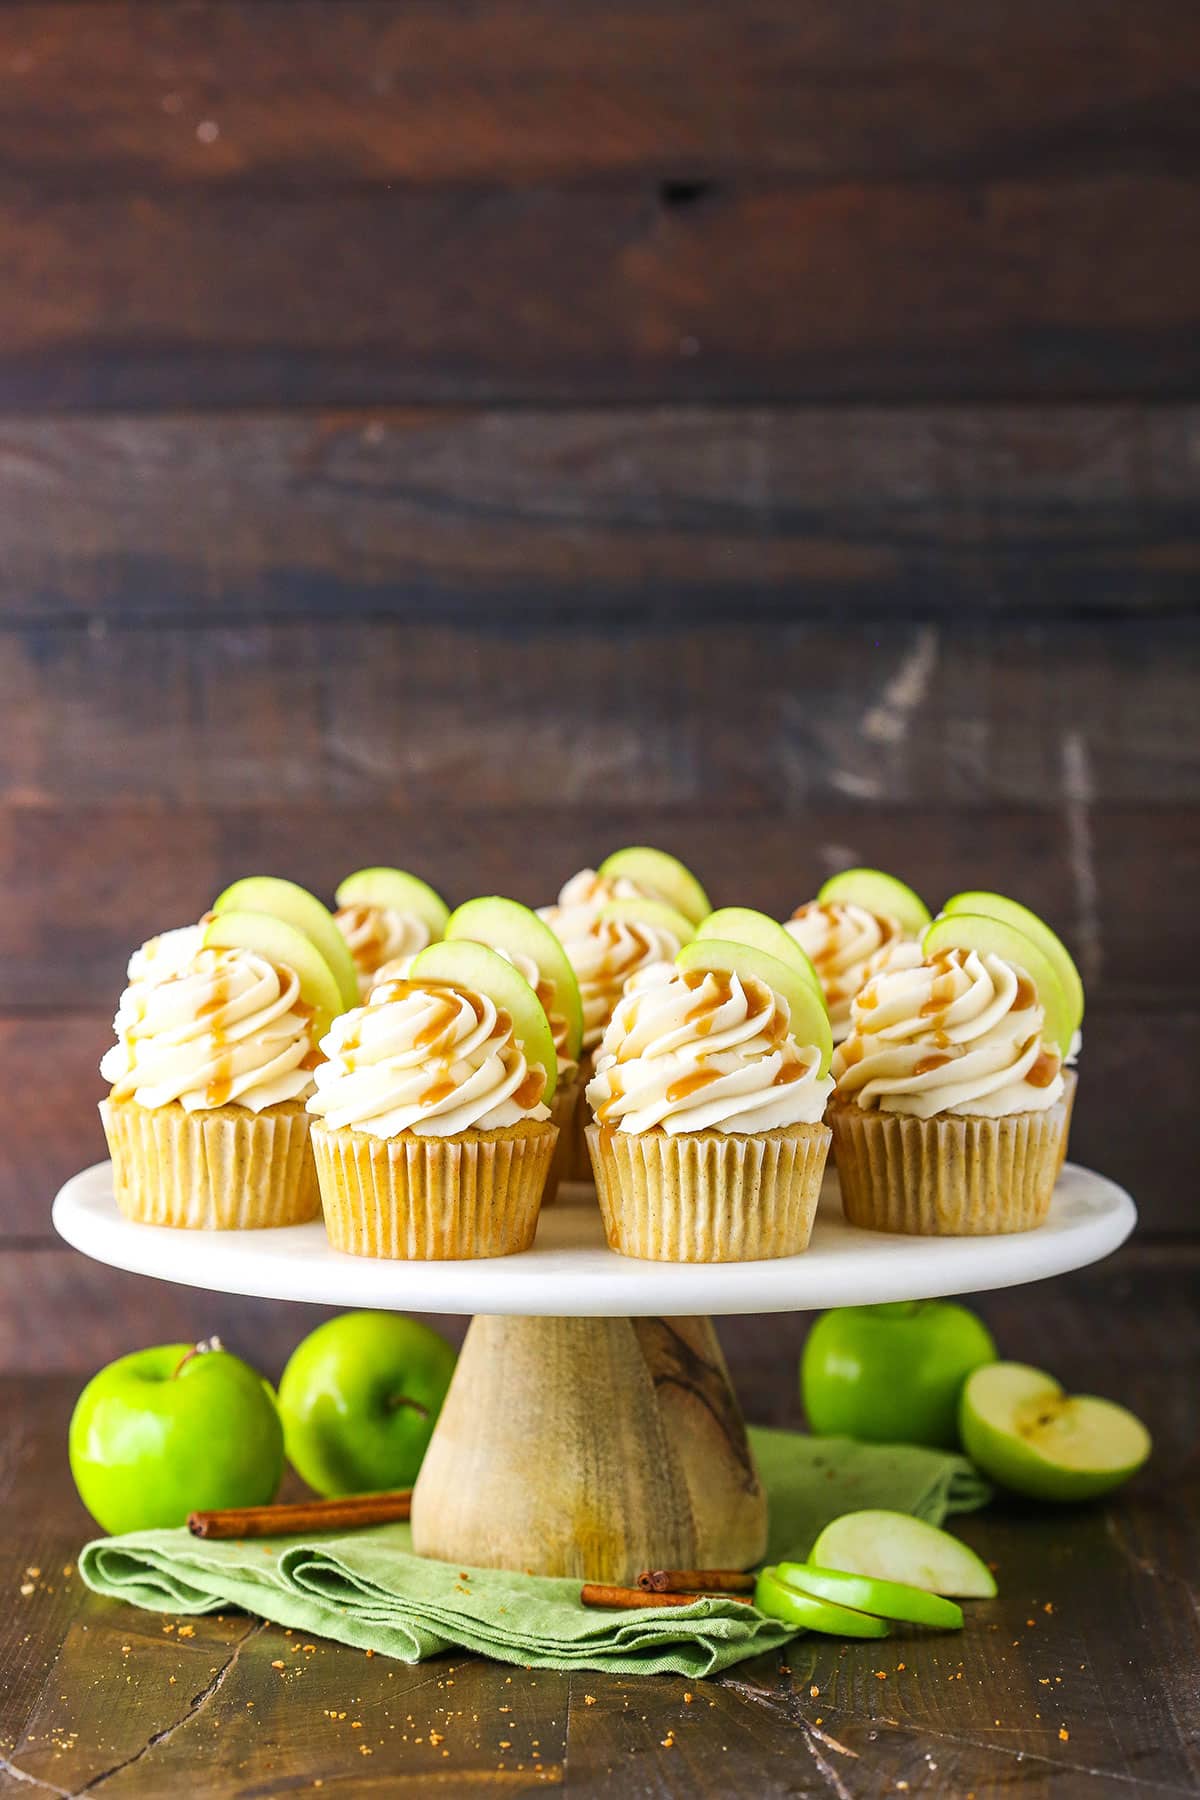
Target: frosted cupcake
(861,922)
(386,916)
(432,1133)
(708,1144)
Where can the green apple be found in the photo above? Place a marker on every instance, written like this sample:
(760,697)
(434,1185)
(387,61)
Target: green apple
(302,910)
(479,970)
(880,894)
(1026,1434)
(663,876)
(359,1400)
(893,1546)
(651,912)
(893,1373)
(995,937)
(281,943)
(865,1593)
(809,1021)
(742,925)
(998,906)
(808,1612)
(507,925)
(177,1429)
(396,889)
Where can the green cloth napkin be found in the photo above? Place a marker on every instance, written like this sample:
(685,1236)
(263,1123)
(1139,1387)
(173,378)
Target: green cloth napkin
(366,1588)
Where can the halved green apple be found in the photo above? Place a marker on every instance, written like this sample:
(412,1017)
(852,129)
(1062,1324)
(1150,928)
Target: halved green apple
(998,906)
(507,925)
(293,904)
(809,1021)
(881,894)
(283,944)
(651,912)
(894,1546)
(742,925)
(867,1593)
(463,964)
(663,876)
(793,1606)
(994,937)
(1023,1431)
(396,889)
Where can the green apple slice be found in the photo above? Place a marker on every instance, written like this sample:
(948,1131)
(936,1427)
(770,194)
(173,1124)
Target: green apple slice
(994,937)
(1024,1432)
(809,1022)
(866,1593)
(507,925)
(810,1613)
(282,943)
(881,894)
(662,875)
(893,1546)
(742,925)
(998,906)
(473,966)
(297,907)
(651,912)
(396,889)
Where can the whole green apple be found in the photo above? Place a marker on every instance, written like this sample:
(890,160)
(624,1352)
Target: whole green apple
(359,1400)
(172,1430)
(892,1374)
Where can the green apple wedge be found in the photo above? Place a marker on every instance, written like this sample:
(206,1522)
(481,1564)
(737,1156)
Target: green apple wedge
(398,890)
(479,970)
(742,925)
(651,912)
(808,1612)
(507,925)
(894,1546)
(280,942)
(993,937)
(297,907)
(1026,1434)
(880,894)
(808,1019)
(998,906)
(663,876)
(866,1593)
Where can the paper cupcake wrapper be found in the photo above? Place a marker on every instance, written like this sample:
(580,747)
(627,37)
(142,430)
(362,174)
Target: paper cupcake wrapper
(429,1199)
(225,1169)
(949,1176)
(577,1164)
(563,1109)
(1070,1088)
(709,1196)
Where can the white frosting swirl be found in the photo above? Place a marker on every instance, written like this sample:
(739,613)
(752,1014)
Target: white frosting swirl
(848,945)
(959,1033)
(165,954)
(427,1058)
(704,1052)
(376,935)
(604,953)
(227,1029)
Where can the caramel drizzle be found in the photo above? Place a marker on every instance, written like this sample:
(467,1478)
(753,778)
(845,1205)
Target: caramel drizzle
(690,1084)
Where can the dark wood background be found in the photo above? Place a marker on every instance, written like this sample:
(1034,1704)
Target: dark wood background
(475,436)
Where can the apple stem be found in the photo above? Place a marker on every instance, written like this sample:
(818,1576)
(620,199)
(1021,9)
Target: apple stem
(396,1401)
(203,1348)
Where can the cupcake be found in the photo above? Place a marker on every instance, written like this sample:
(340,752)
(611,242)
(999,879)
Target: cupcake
(949,1114)
(432,1134)
(708,1144)
(861,921)
(386,916)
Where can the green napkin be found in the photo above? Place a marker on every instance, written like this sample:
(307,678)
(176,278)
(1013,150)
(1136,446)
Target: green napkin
(366,1588)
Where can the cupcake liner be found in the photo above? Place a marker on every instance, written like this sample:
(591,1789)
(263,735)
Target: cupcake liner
(563,1108)
(950,1176)
(577,1164)
(709,1196)
(1070,1088)
(432,1199)
(223,1169)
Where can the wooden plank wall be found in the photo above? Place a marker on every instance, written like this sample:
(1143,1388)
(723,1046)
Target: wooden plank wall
(473,436)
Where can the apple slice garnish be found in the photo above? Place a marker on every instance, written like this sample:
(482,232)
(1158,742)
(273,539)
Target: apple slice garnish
(1026,1434)
(808,1021)
(868,1593)
(894,1546)
(742,925)
(399,891)
(998,906)
(293,904)
(793,1606)
(288,947)
(476,969)
(993,937)
(507,925)
(663,876)
(880,894)
(651,912)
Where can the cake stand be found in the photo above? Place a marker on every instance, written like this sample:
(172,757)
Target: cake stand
(591,1428)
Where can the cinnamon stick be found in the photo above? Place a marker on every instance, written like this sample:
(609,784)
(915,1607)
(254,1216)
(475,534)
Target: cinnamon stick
(686,1581)
(349,1512)
(626,1599)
